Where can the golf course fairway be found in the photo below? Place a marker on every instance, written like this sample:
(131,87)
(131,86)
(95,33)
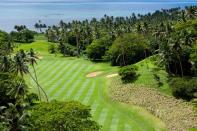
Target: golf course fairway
(70,78)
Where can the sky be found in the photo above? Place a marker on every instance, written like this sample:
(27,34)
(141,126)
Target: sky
(98,0)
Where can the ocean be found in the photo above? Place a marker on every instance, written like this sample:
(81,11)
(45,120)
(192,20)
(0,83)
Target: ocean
(51,13)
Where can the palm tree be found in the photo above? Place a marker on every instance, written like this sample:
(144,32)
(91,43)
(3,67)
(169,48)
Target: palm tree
(20,28)
(32,60)
(21,67)
(77,31)
(19,90)
(5,64)
(32,63)
(39,26)
(191,12)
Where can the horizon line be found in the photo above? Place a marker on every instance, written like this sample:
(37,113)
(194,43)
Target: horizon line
(99,2)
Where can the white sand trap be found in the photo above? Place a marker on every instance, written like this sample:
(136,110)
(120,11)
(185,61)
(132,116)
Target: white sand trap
(112,75)
(94,74)
(40,57)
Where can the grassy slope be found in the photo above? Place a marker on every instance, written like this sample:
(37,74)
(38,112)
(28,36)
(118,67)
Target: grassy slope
(145,70)
(65,79)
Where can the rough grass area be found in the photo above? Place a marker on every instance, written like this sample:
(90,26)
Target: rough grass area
(147,68)
(64,78)
(176,114)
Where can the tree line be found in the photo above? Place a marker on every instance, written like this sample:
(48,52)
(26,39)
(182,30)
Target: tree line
(169,34)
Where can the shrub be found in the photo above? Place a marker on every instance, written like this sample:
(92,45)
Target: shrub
(128,73)
(184,88)
(24,36)
(52,48)
(67,49)
(69,116)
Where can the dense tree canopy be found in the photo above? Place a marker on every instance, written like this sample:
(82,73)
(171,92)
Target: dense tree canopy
(128,49)
(70,116)
(97,49)
(6,45)
(22,35)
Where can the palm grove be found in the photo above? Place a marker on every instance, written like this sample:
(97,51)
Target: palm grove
(167,35)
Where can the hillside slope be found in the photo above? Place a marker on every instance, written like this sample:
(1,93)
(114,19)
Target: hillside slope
(145,92)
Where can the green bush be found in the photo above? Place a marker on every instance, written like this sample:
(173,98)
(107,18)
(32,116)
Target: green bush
(67,49)
(128,73)
(184,88)
(24,36)
(62,116)
(52,49)
(128,49)
(96,50)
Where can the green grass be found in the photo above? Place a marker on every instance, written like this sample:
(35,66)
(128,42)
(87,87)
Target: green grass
(146,76)
(65,79)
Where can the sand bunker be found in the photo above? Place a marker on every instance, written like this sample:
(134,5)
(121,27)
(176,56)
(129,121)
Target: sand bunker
(112,75)
(94,74)
(39,57)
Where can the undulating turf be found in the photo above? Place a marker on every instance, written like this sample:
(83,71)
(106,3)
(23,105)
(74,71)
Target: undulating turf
(146,70)
(65,79)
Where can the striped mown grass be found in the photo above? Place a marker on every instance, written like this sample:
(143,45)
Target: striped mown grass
(64,78)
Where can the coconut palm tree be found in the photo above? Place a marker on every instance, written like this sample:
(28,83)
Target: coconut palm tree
(191,12)
(32,60)
(77,31)
(21,67)
(5,64)
(18,90)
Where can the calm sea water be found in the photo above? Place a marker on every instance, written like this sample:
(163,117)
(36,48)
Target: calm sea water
(51,13)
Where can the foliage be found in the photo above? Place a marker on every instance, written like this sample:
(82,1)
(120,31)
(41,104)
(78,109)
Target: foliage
(40,26)
(52,48)
(193,59)
(184,88)
(6,46)
(14,100)
(67,49)
(175,47)
(128,73)
(96,50)
(70,116)
(128,49)
(23,36)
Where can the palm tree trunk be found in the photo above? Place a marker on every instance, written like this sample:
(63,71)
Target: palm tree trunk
(39,86)
(180,66)
(123,59)
(169,67)
(37,81)
(118,59)
(145,59)
(77,40)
